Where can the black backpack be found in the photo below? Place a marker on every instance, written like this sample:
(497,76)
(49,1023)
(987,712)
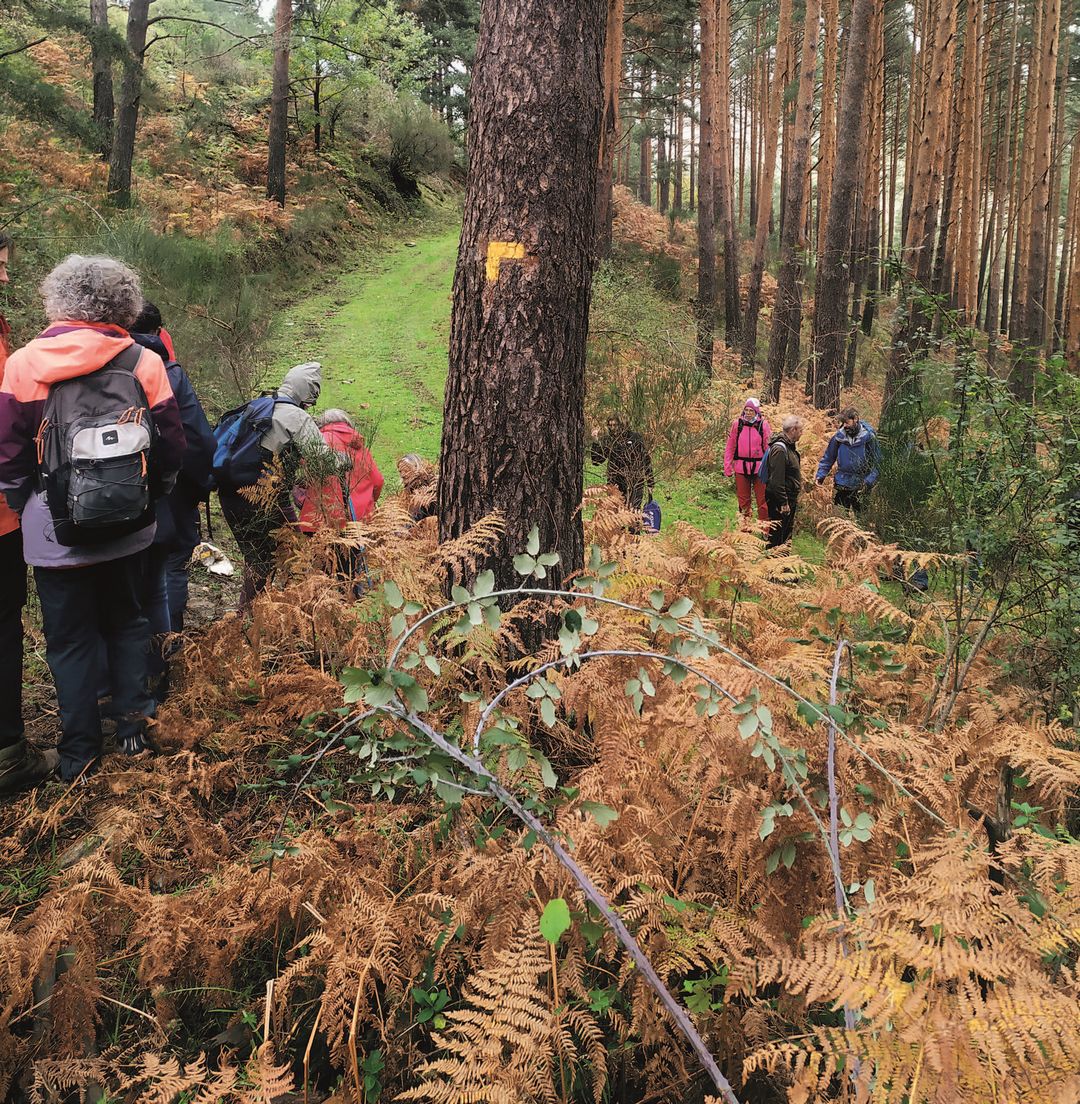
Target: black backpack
(759,425)
(94,449)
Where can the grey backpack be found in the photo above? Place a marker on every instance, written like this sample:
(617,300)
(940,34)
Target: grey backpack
(94,450)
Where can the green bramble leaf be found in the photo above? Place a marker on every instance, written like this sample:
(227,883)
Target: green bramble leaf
(532,545)
(602,814)
(547,712)
(484,585)
(555,920)
(681,607)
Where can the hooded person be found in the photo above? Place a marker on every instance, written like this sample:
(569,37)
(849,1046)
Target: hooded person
(90,438)
(746,444)
(291,436)
(351,494)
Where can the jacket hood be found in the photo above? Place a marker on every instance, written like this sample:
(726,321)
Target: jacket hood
(341,436)
(70,349)
(778,435)
(154,343)
(303,383)
(864,432)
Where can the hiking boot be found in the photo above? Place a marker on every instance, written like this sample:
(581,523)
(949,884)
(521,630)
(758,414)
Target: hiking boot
(22,767)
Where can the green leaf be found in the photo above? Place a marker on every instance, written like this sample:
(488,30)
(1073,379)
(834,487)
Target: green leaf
(432,664)
(492,616)
(602,814)
(656,600)
(484,585)
(393,595)
(398,624)
(532,545)
(379,696)
(869,892)
(459,594)
(681,607)
(748,725)
(772,862)
(787,856)
(547,771)
(547,712)
(528,841)
(555,920)
(524,565)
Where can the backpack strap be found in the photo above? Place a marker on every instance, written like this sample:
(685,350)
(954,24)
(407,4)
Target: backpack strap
(759,425)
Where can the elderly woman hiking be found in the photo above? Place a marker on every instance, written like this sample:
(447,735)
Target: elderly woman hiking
(90,438)
(746,444)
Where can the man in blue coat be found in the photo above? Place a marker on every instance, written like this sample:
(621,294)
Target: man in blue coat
(854,451)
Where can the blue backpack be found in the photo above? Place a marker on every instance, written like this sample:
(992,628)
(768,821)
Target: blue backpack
(239,458)
(651,516)
(763,467)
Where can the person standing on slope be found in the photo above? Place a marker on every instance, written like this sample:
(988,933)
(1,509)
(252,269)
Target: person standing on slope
(855,452)
(746,444)
(629,465)
(783,480)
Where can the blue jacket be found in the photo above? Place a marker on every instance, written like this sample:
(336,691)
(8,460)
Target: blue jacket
(196,479)
(856,458)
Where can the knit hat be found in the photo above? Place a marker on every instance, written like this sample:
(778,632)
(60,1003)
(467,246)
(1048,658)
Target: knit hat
(754,403)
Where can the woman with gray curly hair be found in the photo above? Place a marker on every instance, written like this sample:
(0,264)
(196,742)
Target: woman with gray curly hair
(89,583)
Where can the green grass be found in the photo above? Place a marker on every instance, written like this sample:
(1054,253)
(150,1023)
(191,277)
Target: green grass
(382,334)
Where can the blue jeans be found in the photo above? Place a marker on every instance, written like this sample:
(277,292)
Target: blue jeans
(80,608)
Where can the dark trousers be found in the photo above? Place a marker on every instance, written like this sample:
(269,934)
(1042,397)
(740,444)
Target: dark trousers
(12,600)
(178,564)
(80,608)
(254,528)
(785,524)
(847,497)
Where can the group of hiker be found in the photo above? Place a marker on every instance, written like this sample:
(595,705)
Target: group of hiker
(106,454)
(767,466)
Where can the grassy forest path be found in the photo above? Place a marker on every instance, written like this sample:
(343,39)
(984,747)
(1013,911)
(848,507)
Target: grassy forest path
(382,333)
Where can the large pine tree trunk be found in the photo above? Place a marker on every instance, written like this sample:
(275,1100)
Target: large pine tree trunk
(514,430)
(609,132)
(1029,323)
(706,296)
(788,310)
(831,297)
(279,103)
(127,118)
(827,134)
(725,199)
(101,64)
(764,188)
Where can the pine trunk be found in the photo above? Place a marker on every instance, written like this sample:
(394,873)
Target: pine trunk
(831,298)
(127,118)
(706,296)
(827,139)
(787,314)
(609,131)
(725,207)
(764,188)
(279,104)
(513,423)
(101,64)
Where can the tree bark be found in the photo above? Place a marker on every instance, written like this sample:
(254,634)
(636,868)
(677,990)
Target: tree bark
(645,149)
(831,297)
(788,310)
(279,104)
(725,205)
(127,119)
(706,296)
(1030,326)
(513,419)
(827,138)
(609,131)
(764,188)
(101,64)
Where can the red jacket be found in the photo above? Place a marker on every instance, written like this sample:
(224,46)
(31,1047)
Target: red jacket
(324,506)
(9,520)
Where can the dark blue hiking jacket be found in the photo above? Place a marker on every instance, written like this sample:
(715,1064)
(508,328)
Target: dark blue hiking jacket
(856,458)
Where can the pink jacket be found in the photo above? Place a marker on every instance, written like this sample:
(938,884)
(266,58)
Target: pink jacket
(325,506)
(746,445)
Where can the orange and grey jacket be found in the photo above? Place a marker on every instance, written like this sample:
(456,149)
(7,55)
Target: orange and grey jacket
(64,351)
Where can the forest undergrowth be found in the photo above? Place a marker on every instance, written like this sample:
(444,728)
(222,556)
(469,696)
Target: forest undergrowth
(307,896)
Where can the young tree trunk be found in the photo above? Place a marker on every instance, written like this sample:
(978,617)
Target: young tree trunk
(827,137)
(279,104)
(706,296)
(725,206)
(609,131)
(831,296)
(968,213)
(663,169)
(692,183)
(1031,325)
(788,310)
(645,148)
(101,64)
(127,119)
(764,188)
(513,417)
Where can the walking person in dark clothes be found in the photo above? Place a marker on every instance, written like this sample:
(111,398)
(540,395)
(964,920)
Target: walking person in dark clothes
(21,765)
(855,452)
(629,466)
(783,480)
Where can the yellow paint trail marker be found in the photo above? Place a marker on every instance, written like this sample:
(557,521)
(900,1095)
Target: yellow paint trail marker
(499,251)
